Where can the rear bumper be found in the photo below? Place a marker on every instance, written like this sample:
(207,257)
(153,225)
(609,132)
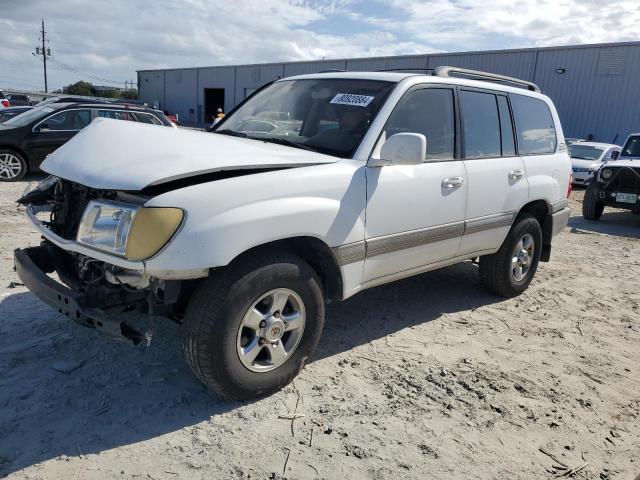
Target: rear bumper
(33,264)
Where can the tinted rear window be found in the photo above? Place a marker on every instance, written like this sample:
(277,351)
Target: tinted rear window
(481,125)
(534,126)
(2,95)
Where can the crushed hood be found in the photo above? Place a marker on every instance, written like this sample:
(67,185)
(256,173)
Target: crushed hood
(120,155)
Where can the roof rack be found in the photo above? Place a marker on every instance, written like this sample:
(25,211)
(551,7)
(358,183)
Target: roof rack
(408,70)
(485,76)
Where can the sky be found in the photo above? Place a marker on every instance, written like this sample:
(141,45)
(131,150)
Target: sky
(106,41)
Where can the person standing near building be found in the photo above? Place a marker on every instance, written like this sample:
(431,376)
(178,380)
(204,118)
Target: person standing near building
(220,114)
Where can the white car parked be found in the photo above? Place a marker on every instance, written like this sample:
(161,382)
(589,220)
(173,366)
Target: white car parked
(243,234)
(4,103)
(588,157)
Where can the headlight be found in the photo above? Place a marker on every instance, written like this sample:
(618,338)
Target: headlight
(606,174)
(127,230)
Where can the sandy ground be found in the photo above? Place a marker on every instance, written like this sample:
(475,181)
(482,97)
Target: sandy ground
(429,377)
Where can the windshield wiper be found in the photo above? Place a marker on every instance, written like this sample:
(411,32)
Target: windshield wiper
(232,133)
(288,143)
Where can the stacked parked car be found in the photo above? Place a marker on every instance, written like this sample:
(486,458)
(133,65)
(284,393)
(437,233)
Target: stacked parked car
(26,139)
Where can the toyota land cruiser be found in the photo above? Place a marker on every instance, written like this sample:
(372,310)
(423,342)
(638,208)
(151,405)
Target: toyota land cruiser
(314,188)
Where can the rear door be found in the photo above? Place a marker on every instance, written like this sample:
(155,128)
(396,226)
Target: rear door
(415,213)
(497,177)
(548,167)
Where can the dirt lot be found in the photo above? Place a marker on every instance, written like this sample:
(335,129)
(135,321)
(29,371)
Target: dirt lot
(429,377)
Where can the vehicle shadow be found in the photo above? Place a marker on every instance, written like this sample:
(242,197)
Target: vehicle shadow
(67,390)
(619,223)
(380,311)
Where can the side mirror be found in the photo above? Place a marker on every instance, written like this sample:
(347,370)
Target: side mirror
(614,155)
(43,127)
(404,149)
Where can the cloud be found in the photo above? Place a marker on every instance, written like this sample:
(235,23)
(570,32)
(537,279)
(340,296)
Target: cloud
(111,39)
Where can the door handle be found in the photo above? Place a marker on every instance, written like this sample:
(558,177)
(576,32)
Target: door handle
(516,174)
(452,182)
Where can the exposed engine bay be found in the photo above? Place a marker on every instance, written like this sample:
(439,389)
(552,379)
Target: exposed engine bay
(101,291)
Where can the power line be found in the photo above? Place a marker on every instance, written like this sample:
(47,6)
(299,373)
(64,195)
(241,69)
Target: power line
(87,75)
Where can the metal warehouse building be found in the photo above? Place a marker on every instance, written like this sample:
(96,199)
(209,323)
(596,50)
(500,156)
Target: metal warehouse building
(596,88)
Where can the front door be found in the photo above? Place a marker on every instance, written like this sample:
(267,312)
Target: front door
(498,185)
(53,132)
(415,213)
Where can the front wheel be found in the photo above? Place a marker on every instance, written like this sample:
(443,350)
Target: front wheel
(12,166)
(592,208)
(252,328)
(509,271)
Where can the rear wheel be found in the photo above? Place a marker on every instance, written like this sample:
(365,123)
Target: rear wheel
(592,208)
(509,271)
(252,328)
(12,166)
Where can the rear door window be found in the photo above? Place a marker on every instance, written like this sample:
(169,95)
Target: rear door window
(506,128)
(480,125)
(146,118)
(116,115)
(535,129)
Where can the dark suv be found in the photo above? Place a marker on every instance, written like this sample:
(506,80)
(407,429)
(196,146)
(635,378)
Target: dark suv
(28,138)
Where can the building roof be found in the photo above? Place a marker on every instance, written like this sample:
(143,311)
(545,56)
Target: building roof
(426,54)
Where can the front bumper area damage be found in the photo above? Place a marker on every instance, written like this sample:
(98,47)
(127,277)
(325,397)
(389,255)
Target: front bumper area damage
(97,308)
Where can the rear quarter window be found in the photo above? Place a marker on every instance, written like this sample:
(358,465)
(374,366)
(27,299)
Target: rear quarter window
(535,130)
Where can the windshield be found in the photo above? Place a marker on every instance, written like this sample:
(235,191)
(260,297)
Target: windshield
(28,116)
(326,115)
(632,147)
(585,152)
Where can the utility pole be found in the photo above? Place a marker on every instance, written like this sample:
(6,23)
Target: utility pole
(45,52)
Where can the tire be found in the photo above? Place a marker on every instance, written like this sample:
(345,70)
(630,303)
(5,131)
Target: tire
(496,270)
(12,166)
(592,208)
(214,325)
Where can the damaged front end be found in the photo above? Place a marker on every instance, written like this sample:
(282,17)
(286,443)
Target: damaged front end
(96,288)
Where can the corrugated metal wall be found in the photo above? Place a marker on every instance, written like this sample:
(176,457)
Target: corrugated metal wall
(599,92)
(216,77)
(514,64)
(595,87)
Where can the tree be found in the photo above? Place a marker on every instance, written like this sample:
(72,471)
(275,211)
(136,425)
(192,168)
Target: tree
(79,88)
(131,94)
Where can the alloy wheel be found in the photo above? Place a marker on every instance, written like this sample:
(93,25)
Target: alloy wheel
(10,166)
(522,257)
(271,330)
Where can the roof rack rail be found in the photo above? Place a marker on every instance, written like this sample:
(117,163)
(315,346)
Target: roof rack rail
(332,70)
(407,70)
(445,71)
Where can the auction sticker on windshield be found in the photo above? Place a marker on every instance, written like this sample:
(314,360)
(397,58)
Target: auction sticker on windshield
(351,99)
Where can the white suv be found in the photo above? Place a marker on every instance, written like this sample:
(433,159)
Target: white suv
(314,188)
